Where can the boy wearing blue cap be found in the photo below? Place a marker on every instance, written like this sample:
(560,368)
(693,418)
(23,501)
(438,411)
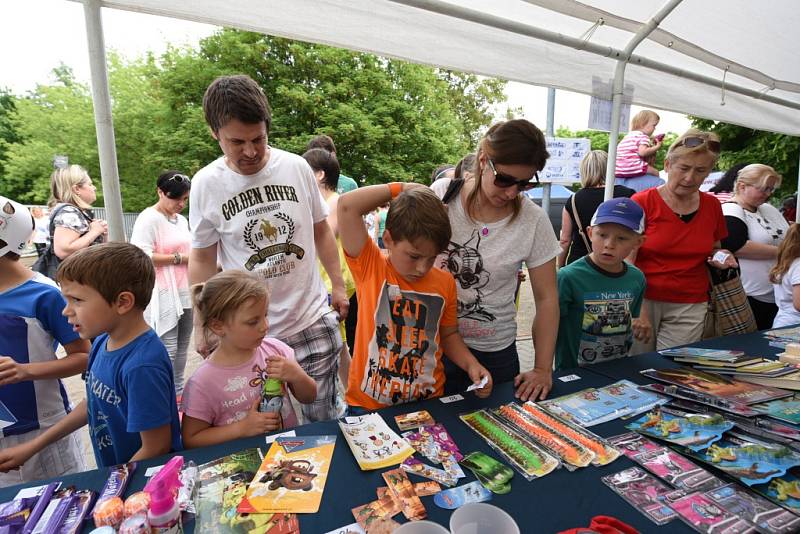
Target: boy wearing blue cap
(600,295)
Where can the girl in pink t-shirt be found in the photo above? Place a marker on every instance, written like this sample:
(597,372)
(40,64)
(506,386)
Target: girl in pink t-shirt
(220,400)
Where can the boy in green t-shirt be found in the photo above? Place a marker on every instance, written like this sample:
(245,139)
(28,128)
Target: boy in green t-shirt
(600,295)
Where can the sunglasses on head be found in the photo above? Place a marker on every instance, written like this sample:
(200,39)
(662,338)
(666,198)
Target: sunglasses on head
(504,180)
(180,178)
(694,142)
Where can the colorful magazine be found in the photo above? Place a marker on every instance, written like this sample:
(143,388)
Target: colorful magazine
(787,410)
(708,354)
(635,399)
(292,476)
(716,385)
(586,408)
(373,443)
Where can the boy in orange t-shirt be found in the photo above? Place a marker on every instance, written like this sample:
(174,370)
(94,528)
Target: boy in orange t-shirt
(406,309)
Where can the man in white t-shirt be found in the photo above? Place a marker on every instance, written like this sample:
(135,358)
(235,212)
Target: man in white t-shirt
(258,209)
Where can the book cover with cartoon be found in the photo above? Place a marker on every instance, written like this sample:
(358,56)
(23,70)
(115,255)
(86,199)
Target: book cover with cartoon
(373,444)
(292,476)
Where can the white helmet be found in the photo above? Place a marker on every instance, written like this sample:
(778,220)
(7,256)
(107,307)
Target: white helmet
(16,226)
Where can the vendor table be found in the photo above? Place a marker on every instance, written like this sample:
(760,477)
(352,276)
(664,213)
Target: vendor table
(558,501)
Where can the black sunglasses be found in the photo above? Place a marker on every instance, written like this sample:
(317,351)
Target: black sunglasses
(506,181)
(694,142)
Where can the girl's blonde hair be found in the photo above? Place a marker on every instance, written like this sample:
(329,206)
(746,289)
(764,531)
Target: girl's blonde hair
(788,251)
(62,183)
(641,119)
(756,174)
(593,168)
(220,297)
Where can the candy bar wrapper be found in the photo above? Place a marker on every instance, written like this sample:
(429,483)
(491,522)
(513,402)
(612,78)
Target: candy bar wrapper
(77,513)
(412,465)
(429,487)
(117,481)
(401,487)
(39,507)
(13,514)
(55,513)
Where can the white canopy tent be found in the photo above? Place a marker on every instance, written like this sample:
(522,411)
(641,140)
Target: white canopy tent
(728,60)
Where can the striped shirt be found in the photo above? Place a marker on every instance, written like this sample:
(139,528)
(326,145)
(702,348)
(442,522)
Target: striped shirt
(629,163)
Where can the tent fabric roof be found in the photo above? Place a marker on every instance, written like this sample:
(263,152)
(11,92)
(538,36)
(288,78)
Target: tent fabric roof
(748,44)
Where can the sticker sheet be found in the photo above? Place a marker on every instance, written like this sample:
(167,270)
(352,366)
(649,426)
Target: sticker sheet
(767,517)
(412,420)
(435,443)
(642,491)
(696,432)
(676,470)
(373,443)
(403,492)
(292,476)
(456,497)
(705,515)
(752,463)
(414,466)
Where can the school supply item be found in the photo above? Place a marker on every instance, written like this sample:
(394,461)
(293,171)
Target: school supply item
(705,515)
(767,517)
(642,491)
(570,452)
(493,475)
(633,397)
(631,444)
(435,443)
(604,453)
(453,498)
(414,466)
(696,432)
(291,477)
(529,459)
(716,385)
(403,491)
(676,470)
(412,420)
(373,444)
(587,408)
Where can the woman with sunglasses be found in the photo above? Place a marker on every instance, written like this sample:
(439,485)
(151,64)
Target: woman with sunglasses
(683,230)
(755,229)
(495,229)
(163,233)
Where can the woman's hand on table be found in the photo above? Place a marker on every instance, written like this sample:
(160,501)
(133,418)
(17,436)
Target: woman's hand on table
(533,385)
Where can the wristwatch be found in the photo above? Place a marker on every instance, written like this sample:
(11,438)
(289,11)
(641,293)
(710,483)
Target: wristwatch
(177,260)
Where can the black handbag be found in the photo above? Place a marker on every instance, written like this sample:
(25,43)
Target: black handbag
(48,262)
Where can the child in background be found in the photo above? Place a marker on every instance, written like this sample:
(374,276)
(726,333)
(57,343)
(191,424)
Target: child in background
(406,309)
(635,152)
(31,327)
(600,295)
(785,278)
(220,400)
(130,393)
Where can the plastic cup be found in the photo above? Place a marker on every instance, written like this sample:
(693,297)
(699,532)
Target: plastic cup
(421,527)
(482,518)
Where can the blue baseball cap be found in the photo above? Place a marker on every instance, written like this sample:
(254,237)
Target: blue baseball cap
(622,211)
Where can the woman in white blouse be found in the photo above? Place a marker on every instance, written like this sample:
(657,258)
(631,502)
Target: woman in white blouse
(755,229)
(163,233)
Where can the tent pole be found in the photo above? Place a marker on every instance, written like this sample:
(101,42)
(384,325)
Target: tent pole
(547,187)
(797,194)
(618,86)
(104,125)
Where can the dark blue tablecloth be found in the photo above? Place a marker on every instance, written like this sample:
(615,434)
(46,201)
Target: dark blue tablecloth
(558,501)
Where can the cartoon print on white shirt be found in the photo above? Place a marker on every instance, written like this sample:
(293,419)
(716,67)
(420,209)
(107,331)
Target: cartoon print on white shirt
(466,265)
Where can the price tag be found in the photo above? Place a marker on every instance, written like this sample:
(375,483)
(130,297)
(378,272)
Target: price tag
(569,378)
(451,398)
(352,420)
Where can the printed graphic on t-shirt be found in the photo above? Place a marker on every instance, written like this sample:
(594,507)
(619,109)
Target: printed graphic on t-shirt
(402,357)
(465,263)
(269,231)
(606,327)
(107,396)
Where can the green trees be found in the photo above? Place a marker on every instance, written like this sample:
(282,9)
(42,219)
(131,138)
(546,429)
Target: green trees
(391,120)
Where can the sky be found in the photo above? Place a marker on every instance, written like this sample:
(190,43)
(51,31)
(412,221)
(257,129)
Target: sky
(47,33)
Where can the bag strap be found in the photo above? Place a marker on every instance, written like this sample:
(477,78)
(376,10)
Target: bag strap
(453,188)
(580,225)
(52,224)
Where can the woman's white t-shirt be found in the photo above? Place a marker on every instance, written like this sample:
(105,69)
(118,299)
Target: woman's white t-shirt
(784,295)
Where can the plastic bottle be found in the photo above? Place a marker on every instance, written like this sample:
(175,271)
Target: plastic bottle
(272,398)
(164,513)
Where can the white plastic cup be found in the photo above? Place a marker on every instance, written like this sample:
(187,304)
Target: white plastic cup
(421,527)
(482,518)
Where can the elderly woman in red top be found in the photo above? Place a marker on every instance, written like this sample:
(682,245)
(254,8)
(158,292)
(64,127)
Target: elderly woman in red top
(683,230)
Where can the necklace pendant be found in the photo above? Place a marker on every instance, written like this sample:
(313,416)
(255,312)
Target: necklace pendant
(484,231)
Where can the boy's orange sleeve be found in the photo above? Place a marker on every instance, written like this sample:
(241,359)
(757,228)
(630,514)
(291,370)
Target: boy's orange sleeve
(449,316)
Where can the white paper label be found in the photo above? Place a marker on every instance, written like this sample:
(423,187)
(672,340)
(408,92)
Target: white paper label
(354,528)
(569,378)
(451,398)
(287,434)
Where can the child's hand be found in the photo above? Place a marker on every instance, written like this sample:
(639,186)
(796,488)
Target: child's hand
(642,329)
(476,373)
(259,423)
(15,457)
(12,372)
(286,369)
